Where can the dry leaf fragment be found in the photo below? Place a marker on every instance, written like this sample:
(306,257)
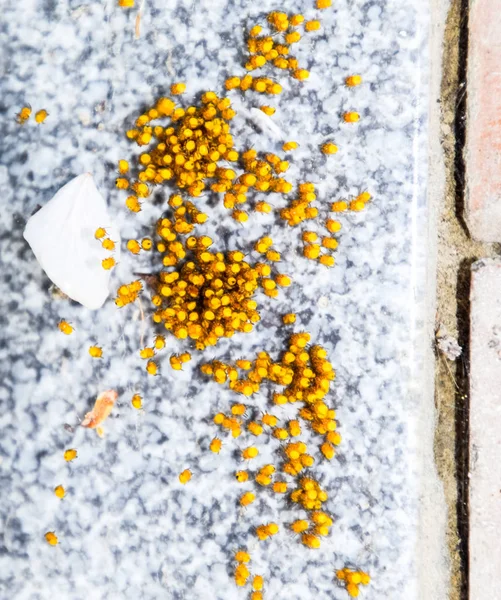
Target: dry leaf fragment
(102,409)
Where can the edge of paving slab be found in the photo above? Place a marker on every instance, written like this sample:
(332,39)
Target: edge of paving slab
(432,556)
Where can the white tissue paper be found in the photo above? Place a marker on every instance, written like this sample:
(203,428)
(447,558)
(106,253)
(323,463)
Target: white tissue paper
(62,237)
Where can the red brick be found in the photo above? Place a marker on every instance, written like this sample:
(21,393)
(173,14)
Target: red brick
(483,134)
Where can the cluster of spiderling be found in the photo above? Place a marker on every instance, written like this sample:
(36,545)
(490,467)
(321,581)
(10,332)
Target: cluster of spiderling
(269,50)
(109,245)
(242,574)
(310,496)
(261,174)
(25,113)
(205,295)
(201,294)
(194,149)
(352,580)
(135,247)
(305,374)
(300,210)
(356,204)
(188,153)
(128,293)
(178,360)
(265,50)
(147,353)
(234,421)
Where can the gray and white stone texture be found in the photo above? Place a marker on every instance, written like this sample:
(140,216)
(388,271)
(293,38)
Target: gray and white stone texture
(127,528)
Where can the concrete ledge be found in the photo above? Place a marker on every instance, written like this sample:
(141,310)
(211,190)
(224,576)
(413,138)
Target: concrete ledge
(483,133)
(485,430)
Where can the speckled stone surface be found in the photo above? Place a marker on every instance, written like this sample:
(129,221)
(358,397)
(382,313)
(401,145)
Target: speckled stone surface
(127,528)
